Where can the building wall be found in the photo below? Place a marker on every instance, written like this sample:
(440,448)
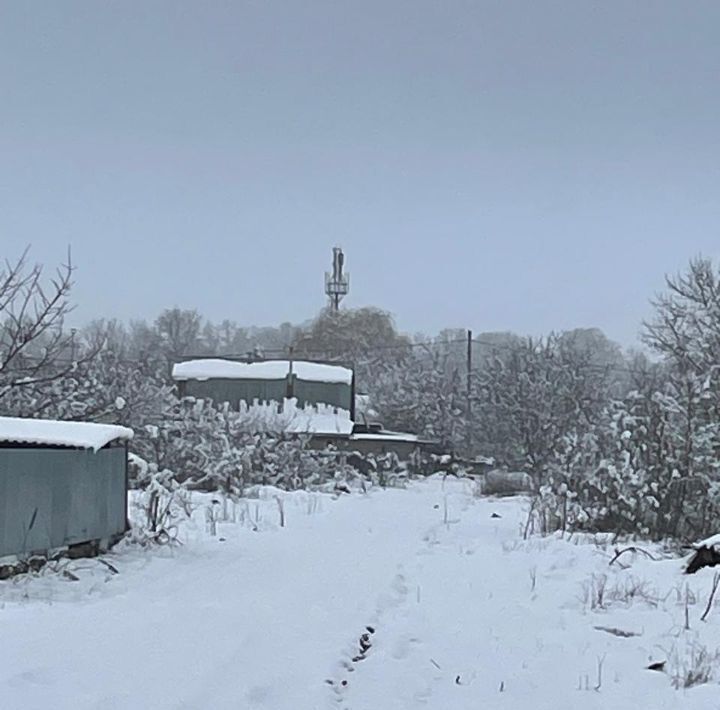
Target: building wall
(51,498)
(403,449)
(336,394)
(234,391)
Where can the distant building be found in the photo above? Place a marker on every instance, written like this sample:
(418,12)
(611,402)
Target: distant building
(310,383)
(322,398)
(62,484)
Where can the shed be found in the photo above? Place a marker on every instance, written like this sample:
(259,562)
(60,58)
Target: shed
(374,440)
(61,484)
(233,381)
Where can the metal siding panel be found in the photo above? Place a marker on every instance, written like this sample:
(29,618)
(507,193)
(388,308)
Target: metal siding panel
(117,500)
(3,504)
(335,394)
(61,506)
(275,390)
(85,523)
(79,496)
(235,391)
(27,504)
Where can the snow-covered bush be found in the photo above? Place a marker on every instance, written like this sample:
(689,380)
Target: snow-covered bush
(159,506)
(215,448)
(639,471)
(532,395)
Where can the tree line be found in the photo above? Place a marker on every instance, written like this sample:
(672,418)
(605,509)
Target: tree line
(619,441)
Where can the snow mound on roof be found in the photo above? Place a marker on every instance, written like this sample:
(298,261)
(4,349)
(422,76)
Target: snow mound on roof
(711,542)
(209,368)
(46,432)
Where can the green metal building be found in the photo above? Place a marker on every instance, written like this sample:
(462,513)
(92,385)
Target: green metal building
(61,484)
(222,380)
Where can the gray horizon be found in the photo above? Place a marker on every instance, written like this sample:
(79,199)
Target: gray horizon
(499,166)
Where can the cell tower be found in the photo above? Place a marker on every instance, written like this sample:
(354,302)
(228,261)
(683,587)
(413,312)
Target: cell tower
(337,283)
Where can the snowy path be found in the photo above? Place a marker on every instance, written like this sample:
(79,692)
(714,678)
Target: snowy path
(272,619)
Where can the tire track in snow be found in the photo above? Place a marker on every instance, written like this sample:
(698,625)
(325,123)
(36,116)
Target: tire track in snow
(388,640)
(362,648)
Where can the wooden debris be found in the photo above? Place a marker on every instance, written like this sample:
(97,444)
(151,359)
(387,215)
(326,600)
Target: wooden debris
(617,632)
(704,556)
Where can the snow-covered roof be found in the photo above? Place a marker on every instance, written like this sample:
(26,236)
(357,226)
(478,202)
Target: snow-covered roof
(216,368)
(713,542)
(46,432)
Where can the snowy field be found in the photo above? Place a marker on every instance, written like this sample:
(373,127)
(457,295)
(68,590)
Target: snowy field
(441,604)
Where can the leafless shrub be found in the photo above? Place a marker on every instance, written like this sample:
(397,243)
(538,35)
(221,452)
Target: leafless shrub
(697,665)
(281,510)
(161,504)
(211,516)
(600,665)
(594,591)
(599,594)
(633,589)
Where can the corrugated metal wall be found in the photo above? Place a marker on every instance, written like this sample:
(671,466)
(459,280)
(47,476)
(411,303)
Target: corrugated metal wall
(336,394)
(234,391)
(50,498)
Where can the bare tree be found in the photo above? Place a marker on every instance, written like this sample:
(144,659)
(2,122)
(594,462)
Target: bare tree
(533,395)
(35,348)
(179,332)
(686,327)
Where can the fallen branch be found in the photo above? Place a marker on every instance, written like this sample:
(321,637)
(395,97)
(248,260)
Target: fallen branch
(632,549)
(112,568)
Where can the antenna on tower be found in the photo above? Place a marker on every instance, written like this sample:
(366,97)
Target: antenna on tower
(337,283)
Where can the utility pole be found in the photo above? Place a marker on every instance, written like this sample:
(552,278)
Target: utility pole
(290,384)
(469,389)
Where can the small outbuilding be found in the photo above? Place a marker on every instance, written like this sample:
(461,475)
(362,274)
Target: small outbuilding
(233,381)
(316,398)
(62,484)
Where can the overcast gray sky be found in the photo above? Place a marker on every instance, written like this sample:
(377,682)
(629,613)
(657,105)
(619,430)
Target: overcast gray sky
(496,165)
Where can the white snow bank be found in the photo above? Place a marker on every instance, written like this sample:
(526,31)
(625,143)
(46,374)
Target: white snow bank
(464,614)
(209,368)
(310,419)
(81,435)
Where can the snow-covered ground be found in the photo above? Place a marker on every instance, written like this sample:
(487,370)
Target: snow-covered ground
(462,613)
